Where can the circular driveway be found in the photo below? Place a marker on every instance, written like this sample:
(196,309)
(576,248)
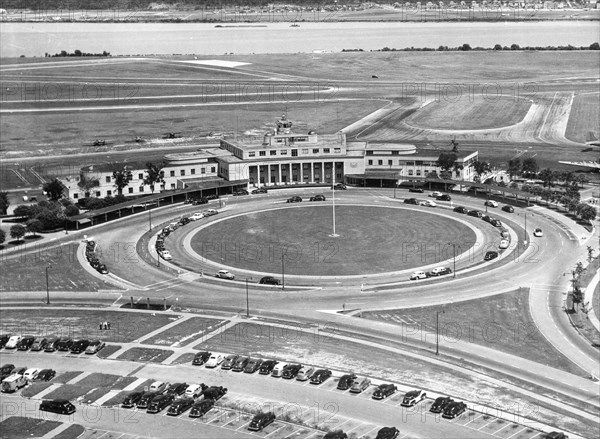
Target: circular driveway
(371,240)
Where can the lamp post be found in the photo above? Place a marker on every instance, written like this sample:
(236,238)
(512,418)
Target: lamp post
(149,218)
(454,260)
(282,272)
(47,287)
(247,301)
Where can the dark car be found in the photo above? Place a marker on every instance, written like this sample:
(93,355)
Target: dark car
(346,381)
(260,190)
(440,272)
(487,219)
(291,371)
(64,344)
(384,390)
(267,367)
(508,209)
(200,358)
(202,200)
(52,345)
(388,433)
(490,255)
(160,402)
(475,213)
(338,434)
(102,269)
(495,222)
(413,398)
(240,364)
(201,407)
(179,406)
(261,420)
(184,221)
(25,343)
(411,201)
(214,392)
(268,280)
(253,365)
(146,399)
(39,344)
(319,376)
(454,409)
(340,187)
(418,190)
(318,198)
(440,404)
(229,361)
(294,199)
(45,375)
(132,399)
(240,192)
(6,370)
(177,389)
(95,263)
(20,370)
(4,340)
(79,346)
(212,197)
(556,435)
(444,197)
(60,406)
(461,209)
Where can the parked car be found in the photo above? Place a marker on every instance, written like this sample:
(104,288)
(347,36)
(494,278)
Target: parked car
(340,187)
(305,373)
(267,367)
(160,402)
(260,190)
(211,212)
(319,197)
(486,218)
(228,362)
(490,255)
(214,361)
(13,342)
(291,371)
(200,358)
(475,213)
(346,381)
(294,199)
(411,201)
(240,364)
(52,345)
(212,197)
(538,233)
(261,420)
(320,376)
(131,399)
(202,200)
(80,346)
(158,386)
(418,190)
(461,209)
(491,203)
(388,433)
(25,343)
(253,365)
(166,255)
(338,434)
(359,385)
(496,222)
(428,203)
(45,375)
(180,406)
(20,370)
(508,208)
(31,373)
(384,390)
(418,275)
(3,340)
(94,347)
(504,234)
(201,407)
(214,392)
(146,398)
(440,404)
(60,406)
(413,398)
(13,383)
(195,390)
(454,409)
(556,435)
(177,389)
(278,370)
(440,271)
(240,192)
(503,244)
(444,197)
(6,371)
(197,216)
(224,274)
(435,194)
(39,344)
(269,280)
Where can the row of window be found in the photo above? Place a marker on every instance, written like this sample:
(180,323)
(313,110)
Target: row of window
(402,163)
(182,173)
(294,152)
(130,190)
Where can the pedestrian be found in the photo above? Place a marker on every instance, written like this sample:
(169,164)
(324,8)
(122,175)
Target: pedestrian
(108,325)
(105,325)
(100,326)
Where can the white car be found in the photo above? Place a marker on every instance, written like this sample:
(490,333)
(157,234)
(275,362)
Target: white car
(94,347)
(31,373)
(210,212)
(491,203)
(538,233)
(438,271)
(197,216)
(428,203)
(305,373)
(224,274)
(12,342)
(214,361)
(504,244)
(194,391)
(158,386)
(166,255)
(418,275)
(435,194)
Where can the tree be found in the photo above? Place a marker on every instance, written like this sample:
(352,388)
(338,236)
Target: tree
(588,213)
(54,189)
(23,211)
(498,47)
(582,179)
(465,47)
(446,160)
(71,210)
(446,175)
(153,176)
(4,202)
(17,231)
(122,179)
(481,168)
(546,195)
(572,191)
(590,252)
(514,47)
(514,167)
(530,166)
(547,176)
(34,226)
(87,183)
(2,236)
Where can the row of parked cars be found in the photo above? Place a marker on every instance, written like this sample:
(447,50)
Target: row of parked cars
(92,257)
(14,378)
(66,344)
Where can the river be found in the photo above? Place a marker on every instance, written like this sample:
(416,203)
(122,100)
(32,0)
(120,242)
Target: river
(35,39)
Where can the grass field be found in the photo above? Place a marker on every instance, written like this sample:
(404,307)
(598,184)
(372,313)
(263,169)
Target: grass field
(20,427)
(35,388)
(500,322)
(66,377)
(464,114)
(145,355)
(92,387)
(71,432)
(184,359)
(584,117)
(125,326)
(120,397)
(185,332)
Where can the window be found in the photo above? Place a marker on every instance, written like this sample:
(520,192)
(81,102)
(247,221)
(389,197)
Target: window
(326,150)
(140,176)
(98,194)
(262,153)
(172,173)
(193,171)
(419,163)
(212,169)
(273,152)
(141,189)
(252,154)
(337,150)
(370,162)
(410,172)
(315,150)
(305,151)
(182,172)
(130,190)
(380,162)
(283,152)
(75,196)
(369,152)
(108,193)
(390,162)
(395,152)
(410,163)
(203,170)
(172,185)
(108,179)
(87,195)
(418,172)
(294,153)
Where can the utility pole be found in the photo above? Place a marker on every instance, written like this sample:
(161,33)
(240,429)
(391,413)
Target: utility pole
(47,287)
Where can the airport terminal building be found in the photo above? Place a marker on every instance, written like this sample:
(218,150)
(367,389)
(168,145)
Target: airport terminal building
(281,158)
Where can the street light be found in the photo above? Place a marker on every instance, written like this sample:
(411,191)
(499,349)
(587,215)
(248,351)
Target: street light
(282,272)
(454,259)
(47,287)
(247,300)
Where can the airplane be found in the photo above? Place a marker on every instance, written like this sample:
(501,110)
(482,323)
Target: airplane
(454,144)
(136,139)
(171,135)
(98,142)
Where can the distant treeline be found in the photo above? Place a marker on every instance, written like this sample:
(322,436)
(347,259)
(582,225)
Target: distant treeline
(64,53)
(467,47)
(143,4)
